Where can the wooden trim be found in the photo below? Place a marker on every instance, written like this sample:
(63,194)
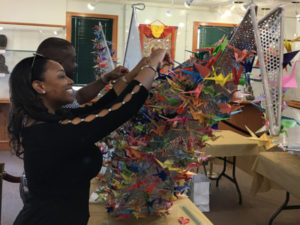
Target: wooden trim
(32,24)
(115,26)
(4,100)
(4,145)
(196,25)
(293,103)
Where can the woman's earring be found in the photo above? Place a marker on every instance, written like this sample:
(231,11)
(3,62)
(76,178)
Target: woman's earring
(44,92)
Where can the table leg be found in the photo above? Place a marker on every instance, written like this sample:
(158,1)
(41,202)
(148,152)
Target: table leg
(209,173)
(233,178)
(284,206)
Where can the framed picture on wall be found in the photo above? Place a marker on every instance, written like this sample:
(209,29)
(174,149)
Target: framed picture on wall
(158,36)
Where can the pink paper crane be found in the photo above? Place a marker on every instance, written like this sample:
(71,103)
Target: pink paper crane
(196,91)
(289,81)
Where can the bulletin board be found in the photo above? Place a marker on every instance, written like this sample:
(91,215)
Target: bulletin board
(81,33)
(207,34)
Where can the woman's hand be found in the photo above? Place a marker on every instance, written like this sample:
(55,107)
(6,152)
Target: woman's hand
(147,73)
(159,58)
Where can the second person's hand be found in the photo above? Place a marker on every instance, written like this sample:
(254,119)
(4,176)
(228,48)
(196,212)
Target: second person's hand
(116,73)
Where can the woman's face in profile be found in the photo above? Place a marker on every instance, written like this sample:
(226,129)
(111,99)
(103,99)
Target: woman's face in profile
(57,85)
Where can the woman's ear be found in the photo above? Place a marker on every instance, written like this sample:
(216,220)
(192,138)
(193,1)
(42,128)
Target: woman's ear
(38,86)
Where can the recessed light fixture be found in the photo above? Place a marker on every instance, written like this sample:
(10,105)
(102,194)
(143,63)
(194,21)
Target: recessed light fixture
(238,2)
(187,3)
(169,12)
(297,16)
(91,6)
(295,2)
(265,9)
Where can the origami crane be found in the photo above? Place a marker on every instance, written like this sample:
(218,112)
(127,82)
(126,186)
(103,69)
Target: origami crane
(167,165)
(203,70)
(195,75)
(288,44)
(221,47)
(287,122)
(262,141)
(288,57)
(196,92)
(183,120)
(289,81)
(219,79)
(237,75)
(174,85)
(241,55)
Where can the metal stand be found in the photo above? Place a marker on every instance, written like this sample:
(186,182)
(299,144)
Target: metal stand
(284,206)
(223,174)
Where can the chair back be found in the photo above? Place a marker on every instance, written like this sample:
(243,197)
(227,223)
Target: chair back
(1,178)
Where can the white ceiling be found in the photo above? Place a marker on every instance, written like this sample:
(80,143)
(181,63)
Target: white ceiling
(210,2)
(206,3)
(289,5)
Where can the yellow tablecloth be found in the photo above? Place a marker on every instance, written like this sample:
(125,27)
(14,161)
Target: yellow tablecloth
(99,216)
(231,144)
(276,169)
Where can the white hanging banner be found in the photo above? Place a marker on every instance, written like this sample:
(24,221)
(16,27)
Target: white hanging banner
(133,53)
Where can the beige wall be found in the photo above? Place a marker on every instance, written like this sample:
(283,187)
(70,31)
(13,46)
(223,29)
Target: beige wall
(33,11)
(54,12)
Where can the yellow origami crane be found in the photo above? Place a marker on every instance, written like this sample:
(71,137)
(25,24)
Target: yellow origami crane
(174,85)
(117,194)
(263,141)
(288,44)
(167,164)
(219,79)
(127,178)
(199,115)
(118,184)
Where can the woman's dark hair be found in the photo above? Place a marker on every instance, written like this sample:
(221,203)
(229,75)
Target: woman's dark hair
(25,101)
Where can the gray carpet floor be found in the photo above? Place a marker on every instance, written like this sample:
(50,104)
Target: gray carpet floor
(224,207)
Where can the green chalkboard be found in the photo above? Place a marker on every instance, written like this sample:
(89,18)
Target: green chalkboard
(210,35)
(82,36)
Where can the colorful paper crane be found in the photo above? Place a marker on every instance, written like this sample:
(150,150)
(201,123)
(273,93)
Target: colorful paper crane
(289,81)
